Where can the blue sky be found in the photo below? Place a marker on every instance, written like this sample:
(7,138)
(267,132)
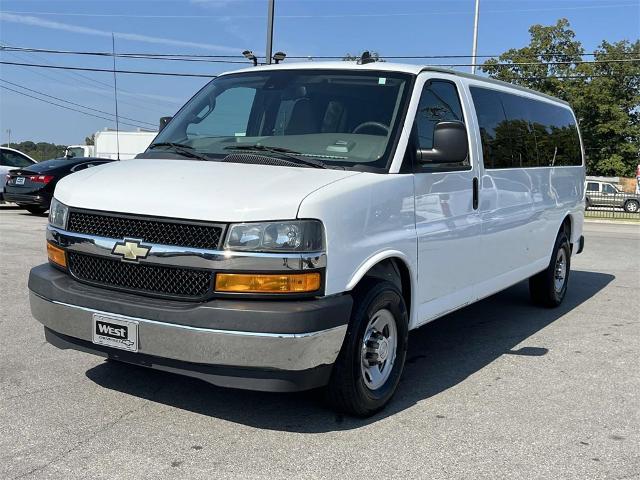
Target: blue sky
(302,27)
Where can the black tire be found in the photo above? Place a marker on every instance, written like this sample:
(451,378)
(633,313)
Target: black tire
(542,286)
(587,204)
(36,210)
(347,391)
(631,206)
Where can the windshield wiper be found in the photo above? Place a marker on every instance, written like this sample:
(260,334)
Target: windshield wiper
(285,152)
(182,149)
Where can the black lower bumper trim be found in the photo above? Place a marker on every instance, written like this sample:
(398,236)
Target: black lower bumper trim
(22,199)
(223,376)
(260,316)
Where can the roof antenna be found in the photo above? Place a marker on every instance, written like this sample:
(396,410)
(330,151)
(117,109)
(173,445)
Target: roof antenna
(248,54)
(115,94)
(366,58)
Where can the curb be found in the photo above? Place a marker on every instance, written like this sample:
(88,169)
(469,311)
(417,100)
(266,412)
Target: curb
(612,221)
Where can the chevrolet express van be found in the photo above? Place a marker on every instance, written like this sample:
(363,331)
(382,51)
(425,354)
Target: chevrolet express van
(292,223)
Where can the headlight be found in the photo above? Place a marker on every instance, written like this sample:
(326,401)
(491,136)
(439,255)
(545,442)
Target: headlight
(294,236)
(58,213)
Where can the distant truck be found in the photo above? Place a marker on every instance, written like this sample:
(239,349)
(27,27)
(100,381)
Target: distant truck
(106,145)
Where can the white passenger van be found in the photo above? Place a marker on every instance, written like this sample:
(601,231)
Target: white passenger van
(292,223)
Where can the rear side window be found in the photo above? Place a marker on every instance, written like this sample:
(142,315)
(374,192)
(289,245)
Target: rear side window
(520,132)
(12,159)
(593,187)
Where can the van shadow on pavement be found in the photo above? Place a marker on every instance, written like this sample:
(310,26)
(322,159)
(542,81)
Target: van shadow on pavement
(441,355)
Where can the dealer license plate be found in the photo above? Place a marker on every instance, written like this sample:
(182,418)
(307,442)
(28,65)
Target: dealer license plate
(115,332)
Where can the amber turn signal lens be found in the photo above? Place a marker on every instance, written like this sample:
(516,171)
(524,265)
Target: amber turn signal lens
(258,283)
(56,255)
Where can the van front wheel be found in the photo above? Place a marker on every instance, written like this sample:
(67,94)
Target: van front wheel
(549,287)
(371,361)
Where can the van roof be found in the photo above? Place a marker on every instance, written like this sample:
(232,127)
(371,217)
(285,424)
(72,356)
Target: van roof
(390,67)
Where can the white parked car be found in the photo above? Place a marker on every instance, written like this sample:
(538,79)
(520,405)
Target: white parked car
(11,159)
(292,223)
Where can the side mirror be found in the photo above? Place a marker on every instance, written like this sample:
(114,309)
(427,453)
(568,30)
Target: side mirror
(163,123)
(450,144)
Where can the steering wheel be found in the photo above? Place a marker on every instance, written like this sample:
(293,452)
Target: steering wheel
(378,125)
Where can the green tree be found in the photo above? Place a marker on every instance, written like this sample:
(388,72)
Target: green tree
(90,140)
(39,151)
(605,96)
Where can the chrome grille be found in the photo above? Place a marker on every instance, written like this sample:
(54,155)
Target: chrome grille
(150,230)
(141,278)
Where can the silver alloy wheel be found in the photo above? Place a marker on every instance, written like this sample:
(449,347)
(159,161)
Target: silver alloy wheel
(379,347)
(632,207)
(560,271)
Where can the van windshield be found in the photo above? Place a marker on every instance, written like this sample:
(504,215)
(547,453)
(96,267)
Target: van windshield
(335,118)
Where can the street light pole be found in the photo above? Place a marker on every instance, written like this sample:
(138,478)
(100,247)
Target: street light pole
(475,38)
(270,31)
(9,140)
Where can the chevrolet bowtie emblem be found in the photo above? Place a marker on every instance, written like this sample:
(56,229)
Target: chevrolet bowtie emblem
(130,250)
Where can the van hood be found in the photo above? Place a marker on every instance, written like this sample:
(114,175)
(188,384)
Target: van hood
(213,191)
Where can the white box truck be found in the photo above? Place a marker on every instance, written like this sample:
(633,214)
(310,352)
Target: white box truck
(107,143)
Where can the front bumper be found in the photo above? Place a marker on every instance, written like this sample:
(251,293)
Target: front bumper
(235,341)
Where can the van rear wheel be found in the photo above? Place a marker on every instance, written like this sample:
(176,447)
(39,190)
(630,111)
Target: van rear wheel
(549,287)
(369,366)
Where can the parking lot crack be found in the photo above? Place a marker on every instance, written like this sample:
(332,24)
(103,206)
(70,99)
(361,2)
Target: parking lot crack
(78,445)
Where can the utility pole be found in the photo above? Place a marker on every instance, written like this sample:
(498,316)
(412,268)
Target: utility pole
(270,31)
(115,94)
(9,134)
(475,38)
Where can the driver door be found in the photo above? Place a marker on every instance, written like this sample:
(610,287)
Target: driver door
(447,220)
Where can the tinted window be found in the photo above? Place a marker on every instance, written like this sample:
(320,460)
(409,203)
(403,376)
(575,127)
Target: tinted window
(606,188)
(593,187)
(519,131)
(12,159)
(496,150)
(527,133)
(439,103)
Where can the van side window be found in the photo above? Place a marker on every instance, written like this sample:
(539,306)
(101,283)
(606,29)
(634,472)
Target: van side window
(439,103)
(496,149)
(593,187)
(519,112)
(519,132)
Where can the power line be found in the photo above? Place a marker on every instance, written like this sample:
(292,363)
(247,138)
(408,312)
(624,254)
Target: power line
(88,69)
(76,104)
(64,106)
(309,16)
(61,77)
(192,57)
(176,74)
(135,56)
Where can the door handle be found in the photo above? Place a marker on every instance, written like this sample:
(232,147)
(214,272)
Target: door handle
(475,193)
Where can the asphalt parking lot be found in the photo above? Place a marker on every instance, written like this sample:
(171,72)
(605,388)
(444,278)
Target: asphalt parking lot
(500,389)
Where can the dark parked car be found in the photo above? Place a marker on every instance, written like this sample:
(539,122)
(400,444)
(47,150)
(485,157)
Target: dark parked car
(32,187)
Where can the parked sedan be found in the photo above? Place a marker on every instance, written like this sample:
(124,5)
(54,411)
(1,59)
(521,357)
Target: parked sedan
(11,159)
(32,187)
(605,194)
